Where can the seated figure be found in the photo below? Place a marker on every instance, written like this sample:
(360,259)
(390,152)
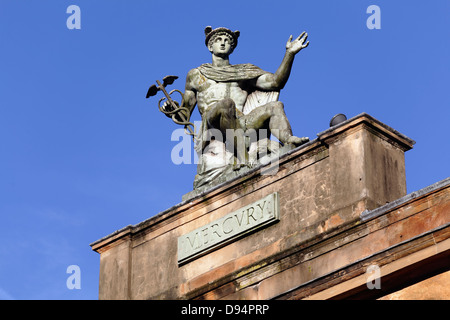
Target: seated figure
(236,101)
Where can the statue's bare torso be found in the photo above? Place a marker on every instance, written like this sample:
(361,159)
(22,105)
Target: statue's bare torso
(209,92)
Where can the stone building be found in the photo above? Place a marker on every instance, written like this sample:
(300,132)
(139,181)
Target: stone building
(334,221)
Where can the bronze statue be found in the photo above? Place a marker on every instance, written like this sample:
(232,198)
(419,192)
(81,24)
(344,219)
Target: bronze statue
(232,98)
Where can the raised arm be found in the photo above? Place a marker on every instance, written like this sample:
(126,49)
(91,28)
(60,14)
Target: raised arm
(277,80)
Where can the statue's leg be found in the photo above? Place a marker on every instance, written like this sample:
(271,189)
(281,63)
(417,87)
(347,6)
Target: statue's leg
(272,116)
(222,116)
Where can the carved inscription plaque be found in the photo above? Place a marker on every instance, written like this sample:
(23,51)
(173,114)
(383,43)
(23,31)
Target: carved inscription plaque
(226,229)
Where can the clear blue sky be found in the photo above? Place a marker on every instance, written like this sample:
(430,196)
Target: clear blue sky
(83,153)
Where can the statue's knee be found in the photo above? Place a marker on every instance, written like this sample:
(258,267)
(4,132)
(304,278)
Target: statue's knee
(227,103)
(227,108)
(278,104)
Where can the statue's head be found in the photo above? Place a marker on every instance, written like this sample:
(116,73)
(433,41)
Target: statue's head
(212,35)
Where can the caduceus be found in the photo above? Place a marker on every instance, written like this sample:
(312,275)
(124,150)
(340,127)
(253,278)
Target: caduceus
(171,108)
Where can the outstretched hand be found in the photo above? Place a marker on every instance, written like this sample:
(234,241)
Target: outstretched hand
(298,44)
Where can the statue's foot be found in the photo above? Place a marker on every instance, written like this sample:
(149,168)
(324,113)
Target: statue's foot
(297,141)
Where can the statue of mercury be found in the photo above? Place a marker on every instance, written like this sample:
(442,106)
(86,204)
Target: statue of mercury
(240,96)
